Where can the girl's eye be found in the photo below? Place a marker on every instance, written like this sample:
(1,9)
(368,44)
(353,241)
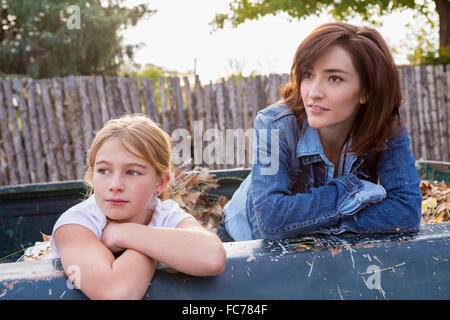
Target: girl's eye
(335,79)
(133,173)
(103,171)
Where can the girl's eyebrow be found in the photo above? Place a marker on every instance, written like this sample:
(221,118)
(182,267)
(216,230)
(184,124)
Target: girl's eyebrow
(131,164)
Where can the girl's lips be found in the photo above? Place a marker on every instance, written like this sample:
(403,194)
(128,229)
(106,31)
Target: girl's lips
(116,202)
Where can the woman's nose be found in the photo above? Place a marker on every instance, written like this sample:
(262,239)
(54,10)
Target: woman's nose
(316,89)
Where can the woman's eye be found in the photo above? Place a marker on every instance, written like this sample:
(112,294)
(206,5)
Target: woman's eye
(103,171)
(307,75)
(335,79)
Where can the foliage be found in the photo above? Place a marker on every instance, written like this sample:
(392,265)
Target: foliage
(154,72)
(422,44)
(242,10)
(436,201)
(39,38)
(190,190)
(370,11)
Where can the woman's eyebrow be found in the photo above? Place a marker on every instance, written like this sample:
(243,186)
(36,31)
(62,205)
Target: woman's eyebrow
(335,70)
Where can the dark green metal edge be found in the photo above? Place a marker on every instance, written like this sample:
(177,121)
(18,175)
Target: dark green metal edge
(411,266)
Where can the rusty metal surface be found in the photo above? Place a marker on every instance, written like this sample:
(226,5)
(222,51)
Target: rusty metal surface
(380,266)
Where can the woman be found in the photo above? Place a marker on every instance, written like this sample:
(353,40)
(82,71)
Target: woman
(339,155)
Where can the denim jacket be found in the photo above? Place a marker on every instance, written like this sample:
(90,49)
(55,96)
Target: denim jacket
(291,190)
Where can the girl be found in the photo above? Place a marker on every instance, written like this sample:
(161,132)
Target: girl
(334,136)
(110,243)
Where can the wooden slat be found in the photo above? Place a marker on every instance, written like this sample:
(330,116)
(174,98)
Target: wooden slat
(26,131)
(180,106)
(209,122)
(149,97)
(50,159)
(407,105)
(189,104)
(232,104)
(135,97)
(272,89)
(52,131)
(423,142)
(433,112)
(102,99)
(11,168)
(199,122)
(441,114)
(199,106)
(60,113)
(226,101)
(38,155)
(74,121)
(16,135)
(165,114)
(88,131)
(445,110)
(95,109)
(112,107)
(3,165)
(124,95)
(220,102)
(414,111)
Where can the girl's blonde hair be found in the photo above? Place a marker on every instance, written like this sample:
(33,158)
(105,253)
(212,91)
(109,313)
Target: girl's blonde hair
(142,134)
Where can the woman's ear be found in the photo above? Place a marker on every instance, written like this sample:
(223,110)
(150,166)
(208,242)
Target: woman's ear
(363,98)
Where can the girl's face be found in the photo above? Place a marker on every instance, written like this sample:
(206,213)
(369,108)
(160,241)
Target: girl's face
(124,184)
(331,93)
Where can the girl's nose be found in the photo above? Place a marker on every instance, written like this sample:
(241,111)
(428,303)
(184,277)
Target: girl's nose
(117,183)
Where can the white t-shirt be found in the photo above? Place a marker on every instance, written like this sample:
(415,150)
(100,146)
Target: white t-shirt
(166,214)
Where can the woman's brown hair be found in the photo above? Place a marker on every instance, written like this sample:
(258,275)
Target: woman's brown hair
(379,117)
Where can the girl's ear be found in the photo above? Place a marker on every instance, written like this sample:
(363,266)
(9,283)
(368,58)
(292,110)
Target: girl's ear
(163,182)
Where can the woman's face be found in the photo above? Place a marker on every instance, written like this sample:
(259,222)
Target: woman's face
(124,184)
(331,93)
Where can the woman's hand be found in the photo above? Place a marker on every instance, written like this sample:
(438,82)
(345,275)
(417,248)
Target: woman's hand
(110,236)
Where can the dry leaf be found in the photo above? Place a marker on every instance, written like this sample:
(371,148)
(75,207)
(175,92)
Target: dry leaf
(435,202)
(188,190)
(45,237)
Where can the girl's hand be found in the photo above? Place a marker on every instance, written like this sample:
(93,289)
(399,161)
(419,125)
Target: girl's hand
(110,235)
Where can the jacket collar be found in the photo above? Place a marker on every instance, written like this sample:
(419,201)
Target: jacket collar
(309,149)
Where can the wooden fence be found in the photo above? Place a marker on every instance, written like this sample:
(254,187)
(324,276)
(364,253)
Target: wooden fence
(47,125)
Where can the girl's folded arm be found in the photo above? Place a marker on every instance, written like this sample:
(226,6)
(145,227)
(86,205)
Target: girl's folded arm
(93,268)
(188,248)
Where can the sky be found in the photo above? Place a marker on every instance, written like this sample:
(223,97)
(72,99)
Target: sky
(178,37)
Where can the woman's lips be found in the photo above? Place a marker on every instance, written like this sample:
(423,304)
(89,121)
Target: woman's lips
(317,109)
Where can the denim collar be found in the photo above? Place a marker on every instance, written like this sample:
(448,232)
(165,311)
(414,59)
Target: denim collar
(310,150)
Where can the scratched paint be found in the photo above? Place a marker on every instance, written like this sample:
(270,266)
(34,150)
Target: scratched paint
(304,268)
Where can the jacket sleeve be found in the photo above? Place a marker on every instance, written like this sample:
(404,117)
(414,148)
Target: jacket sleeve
(401,209)
(275,211)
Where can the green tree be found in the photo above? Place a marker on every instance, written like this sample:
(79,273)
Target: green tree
(154,72)
(242,10)
(49,38)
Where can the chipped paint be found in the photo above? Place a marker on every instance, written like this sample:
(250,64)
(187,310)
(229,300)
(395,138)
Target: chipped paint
(249,263)
(335,251)
(311,266)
